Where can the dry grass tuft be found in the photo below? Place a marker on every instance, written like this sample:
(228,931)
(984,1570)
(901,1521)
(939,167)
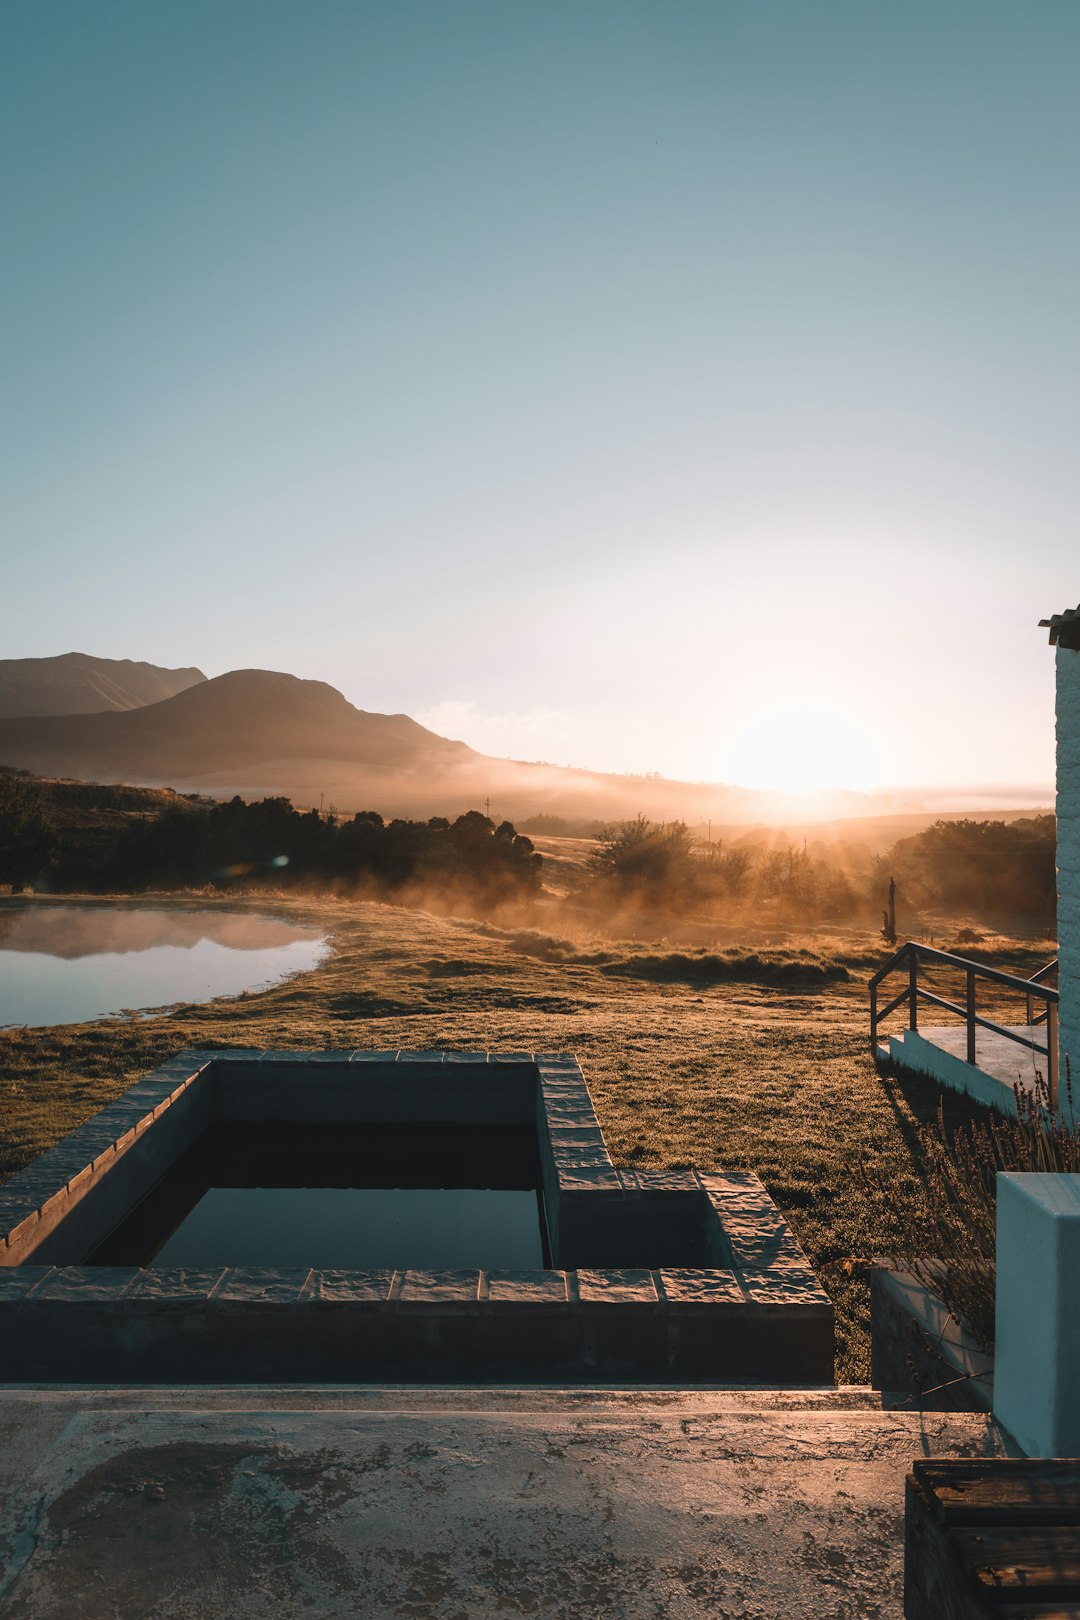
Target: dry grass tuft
(950,1237)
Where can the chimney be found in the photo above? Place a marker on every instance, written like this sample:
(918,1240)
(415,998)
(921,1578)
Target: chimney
(1065,636)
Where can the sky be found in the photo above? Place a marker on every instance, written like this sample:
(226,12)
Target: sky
(680,387)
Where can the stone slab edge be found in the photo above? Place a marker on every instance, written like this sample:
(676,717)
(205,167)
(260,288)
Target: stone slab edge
(68,1170)
(767,1271)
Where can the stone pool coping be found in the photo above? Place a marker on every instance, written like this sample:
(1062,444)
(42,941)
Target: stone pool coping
(753,1309)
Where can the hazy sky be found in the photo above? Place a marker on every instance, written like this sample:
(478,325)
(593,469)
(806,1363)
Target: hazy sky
(680,387)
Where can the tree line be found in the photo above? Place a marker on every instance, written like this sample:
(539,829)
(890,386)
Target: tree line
(79,837)
(984,867)
(237,845)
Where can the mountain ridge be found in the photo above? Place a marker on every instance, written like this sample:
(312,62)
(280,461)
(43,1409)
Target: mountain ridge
(261,733)
(80,683)
(227,723)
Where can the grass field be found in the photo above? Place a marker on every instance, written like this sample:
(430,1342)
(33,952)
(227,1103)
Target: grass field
(752,1059)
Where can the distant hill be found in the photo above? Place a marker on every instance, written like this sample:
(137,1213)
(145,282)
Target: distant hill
(252,731)
(258,733)
(76,683)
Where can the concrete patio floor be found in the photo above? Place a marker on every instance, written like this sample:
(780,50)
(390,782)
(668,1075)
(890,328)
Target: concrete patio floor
(458,1504)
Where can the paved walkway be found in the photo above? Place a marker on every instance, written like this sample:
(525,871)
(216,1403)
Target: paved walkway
(440,1504)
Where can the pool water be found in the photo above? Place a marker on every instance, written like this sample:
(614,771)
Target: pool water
(348,1197)
(356,1228)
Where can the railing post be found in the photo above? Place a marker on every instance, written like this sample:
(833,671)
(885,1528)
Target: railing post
(913,989)
(971,1016)
(1052,1053)
(873,1017)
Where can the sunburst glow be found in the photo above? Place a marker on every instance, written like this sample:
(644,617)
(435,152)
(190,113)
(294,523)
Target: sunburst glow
(803,749)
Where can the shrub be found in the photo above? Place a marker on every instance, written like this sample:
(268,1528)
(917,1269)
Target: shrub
(984,866)
(949,1241)
(653,861)
(27,830)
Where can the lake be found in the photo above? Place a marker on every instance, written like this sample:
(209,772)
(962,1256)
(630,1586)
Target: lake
(69,963)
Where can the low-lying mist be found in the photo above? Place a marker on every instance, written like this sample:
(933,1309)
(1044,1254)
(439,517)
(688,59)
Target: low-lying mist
(649,883)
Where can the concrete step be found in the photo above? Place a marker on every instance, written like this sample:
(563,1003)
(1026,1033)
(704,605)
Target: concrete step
(450,1502)
(454,1397)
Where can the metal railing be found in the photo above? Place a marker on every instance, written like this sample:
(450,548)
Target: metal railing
(1041,1000)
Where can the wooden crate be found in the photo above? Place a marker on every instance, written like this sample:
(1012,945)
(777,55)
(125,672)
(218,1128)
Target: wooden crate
(992,1537)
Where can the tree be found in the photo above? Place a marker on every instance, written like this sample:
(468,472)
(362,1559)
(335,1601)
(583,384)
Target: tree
(981,866)
(28,838)
(651,859)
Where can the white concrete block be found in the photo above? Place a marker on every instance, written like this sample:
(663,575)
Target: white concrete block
(914,1051)
(1037,1349)
(1067,663)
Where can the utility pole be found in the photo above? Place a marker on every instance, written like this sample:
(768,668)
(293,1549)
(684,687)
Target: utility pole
(487,808)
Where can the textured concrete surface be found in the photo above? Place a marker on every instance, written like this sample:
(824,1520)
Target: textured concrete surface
(1068,850)
(458,1505)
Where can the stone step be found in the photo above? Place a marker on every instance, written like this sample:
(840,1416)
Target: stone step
(454,1397)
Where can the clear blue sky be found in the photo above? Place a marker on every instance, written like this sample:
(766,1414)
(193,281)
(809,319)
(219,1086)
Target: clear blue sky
(648,386)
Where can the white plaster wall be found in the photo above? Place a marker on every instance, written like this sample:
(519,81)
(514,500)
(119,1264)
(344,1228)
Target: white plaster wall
(1068,857)
(1037,1348)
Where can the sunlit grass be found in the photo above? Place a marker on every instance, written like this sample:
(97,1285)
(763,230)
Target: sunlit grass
(714,1057)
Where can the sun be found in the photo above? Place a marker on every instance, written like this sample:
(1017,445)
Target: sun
(802,748)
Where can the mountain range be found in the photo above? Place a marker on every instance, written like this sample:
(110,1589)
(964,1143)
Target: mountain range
(77,683)
(260,732)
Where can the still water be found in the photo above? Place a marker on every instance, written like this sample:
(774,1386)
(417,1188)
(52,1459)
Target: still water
(65,964)
(343,1196)
(426,1228)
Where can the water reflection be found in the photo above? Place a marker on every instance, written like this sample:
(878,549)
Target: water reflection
(427,1228)
(64,964)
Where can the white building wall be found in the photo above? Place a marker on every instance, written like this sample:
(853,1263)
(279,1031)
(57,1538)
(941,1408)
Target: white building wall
(1037,1342)
(1068,859)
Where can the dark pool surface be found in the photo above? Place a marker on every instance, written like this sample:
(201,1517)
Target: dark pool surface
(427,1228)
(347,1197)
